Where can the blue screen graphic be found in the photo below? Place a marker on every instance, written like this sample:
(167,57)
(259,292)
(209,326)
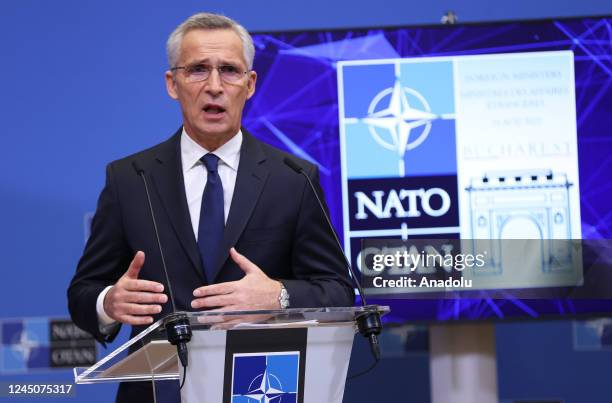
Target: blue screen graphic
(296,107)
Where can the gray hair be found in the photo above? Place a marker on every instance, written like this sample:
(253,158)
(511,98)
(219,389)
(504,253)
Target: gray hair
(209,21)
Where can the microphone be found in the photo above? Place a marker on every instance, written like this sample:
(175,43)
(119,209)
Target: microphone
(368,323)
(177,325)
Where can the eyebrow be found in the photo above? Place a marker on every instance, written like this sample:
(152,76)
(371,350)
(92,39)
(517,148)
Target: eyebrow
(207,61)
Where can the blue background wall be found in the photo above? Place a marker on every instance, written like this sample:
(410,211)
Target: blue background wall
(82,84)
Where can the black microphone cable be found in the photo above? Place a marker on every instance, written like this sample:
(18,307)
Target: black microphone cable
(177,325)
(368,323)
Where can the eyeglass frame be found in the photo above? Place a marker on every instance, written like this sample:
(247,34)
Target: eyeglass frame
(184,68)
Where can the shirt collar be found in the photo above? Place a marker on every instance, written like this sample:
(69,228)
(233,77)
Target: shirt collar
(228,153)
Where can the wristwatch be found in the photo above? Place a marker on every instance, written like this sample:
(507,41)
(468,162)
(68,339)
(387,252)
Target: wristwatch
(283,297)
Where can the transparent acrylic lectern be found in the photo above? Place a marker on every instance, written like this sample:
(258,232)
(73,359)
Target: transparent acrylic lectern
(299,353)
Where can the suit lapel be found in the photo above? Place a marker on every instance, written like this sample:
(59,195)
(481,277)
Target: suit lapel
(167,178)
(167,175)
(250,181)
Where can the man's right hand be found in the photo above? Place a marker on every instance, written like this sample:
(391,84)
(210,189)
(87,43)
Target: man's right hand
(133,301)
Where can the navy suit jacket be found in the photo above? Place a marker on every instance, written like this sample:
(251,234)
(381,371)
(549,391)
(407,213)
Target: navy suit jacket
(274,220)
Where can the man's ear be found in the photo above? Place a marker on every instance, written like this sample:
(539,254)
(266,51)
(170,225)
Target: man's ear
(171,85)
(251,83)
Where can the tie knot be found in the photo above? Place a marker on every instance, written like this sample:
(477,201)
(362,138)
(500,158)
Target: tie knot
(211,161)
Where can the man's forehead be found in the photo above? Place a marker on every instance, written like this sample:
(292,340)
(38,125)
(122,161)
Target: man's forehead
(214,38)
(203,45)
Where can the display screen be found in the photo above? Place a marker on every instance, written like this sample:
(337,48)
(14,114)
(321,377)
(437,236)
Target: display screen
(492,137)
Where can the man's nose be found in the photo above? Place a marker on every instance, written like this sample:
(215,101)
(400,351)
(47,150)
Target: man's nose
(214,82)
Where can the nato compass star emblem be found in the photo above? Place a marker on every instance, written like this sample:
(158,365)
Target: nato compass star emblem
(25,346)
(407,125)
(271,377)
(399,119)
(266,388)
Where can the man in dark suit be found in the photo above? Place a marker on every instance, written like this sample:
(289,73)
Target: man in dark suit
(239,229)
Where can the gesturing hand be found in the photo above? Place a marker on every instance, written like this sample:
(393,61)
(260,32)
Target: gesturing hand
(131,300)
(254,291)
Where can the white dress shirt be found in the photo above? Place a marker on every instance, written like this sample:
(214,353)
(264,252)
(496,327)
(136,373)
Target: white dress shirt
(195,176)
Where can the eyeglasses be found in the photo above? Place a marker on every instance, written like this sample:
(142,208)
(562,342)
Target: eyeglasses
(200,72)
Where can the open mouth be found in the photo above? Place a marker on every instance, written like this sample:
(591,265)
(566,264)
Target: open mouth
(213,109)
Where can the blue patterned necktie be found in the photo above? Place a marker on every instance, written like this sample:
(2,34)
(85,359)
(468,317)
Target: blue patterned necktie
(212,222)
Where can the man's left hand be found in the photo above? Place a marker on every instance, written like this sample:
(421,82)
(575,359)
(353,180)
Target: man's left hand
(254,291)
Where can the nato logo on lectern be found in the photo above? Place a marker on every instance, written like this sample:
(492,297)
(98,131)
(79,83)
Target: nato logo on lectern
(265,377)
